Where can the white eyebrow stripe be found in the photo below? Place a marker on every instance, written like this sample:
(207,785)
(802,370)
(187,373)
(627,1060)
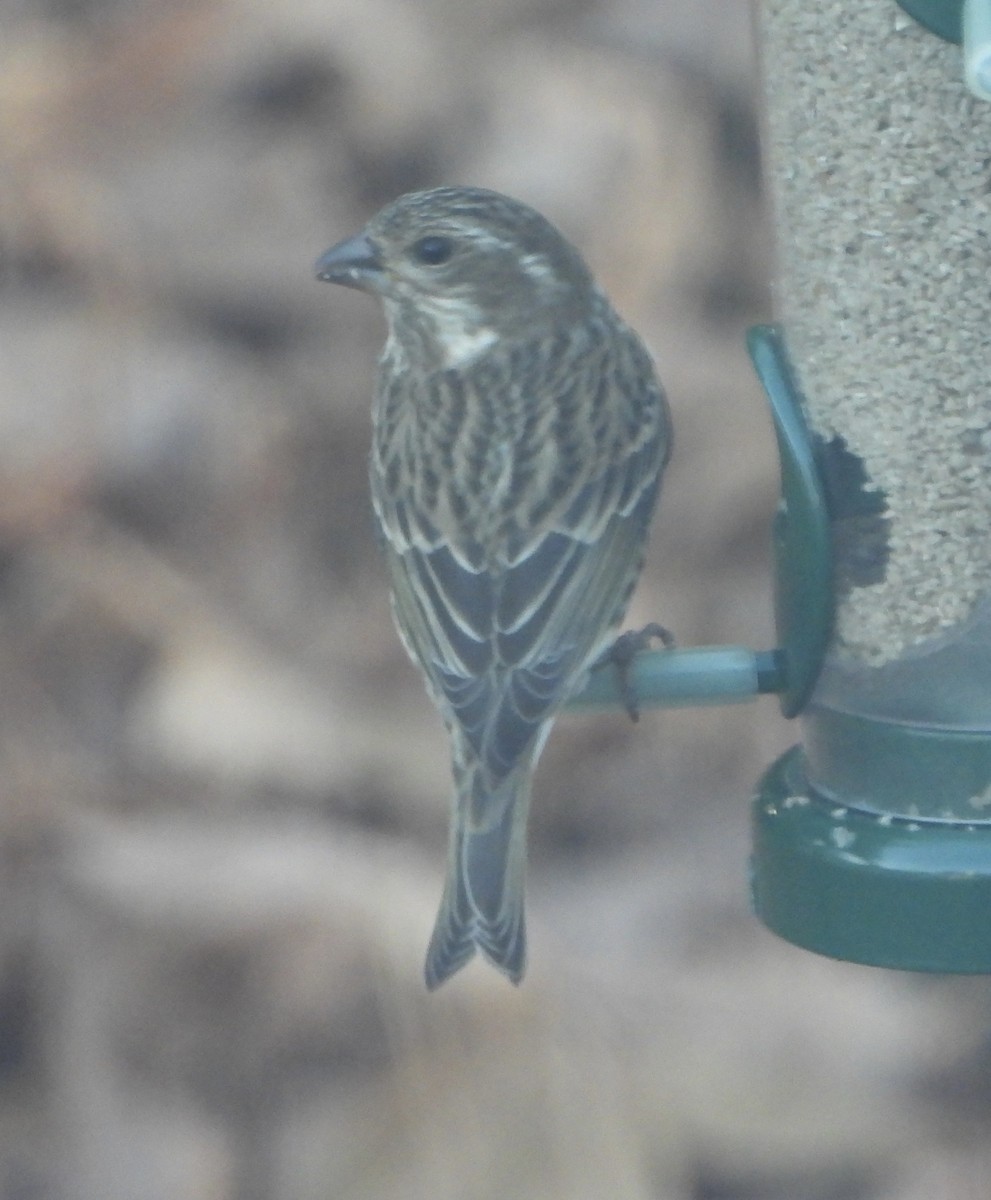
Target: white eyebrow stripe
(536,266)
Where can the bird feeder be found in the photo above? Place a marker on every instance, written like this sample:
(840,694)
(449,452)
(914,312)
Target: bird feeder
(872,838)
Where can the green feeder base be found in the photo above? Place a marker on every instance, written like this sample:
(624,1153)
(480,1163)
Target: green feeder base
(942,17)
(889,891)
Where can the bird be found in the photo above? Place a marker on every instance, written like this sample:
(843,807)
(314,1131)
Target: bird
(519,438)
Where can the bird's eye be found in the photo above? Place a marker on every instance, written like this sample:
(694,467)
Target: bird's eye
(432,250)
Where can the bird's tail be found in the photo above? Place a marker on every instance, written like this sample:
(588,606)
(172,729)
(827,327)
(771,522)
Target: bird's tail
(482,905)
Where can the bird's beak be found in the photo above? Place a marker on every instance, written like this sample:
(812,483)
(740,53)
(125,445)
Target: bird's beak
(354,263)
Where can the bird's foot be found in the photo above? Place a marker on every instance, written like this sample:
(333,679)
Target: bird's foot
(622,653)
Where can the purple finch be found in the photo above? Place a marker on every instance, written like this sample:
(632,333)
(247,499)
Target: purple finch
(520,433)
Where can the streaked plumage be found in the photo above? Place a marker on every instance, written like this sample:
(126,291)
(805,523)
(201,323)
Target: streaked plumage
(519,438)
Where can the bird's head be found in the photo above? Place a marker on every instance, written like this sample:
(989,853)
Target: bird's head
(464,266)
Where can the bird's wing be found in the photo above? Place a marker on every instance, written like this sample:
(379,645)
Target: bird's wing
(503,649)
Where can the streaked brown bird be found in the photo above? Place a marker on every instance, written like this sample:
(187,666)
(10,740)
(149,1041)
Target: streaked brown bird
(519,438)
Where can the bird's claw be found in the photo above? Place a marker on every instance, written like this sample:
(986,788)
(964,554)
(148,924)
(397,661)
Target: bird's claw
(625,649)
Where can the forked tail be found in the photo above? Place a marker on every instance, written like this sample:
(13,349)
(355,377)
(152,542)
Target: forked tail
(482,905)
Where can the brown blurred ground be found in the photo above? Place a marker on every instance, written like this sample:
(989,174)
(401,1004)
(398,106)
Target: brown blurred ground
(223,794)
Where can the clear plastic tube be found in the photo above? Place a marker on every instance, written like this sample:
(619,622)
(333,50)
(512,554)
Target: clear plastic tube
(880,168)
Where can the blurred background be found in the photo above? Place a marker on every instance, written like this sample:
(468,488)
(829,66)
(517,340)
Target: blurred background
(224,795)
